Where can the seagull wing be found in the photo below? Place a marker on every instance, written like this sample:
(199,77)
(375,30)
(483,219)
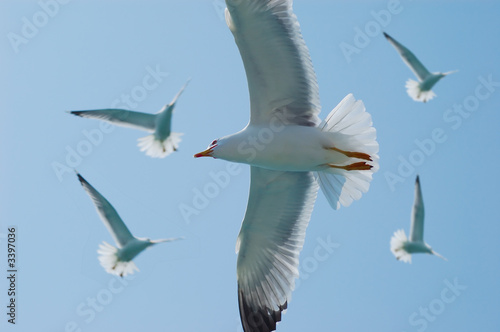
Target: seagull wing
(417,216)
(281,78)
(120,117)
(410,59)
(108,214)
(270,240)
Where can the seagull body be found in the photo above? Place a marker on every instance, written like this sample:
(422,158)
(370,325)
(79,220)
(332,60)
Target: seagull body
(117,260)
(401,246)
(291,152)
(161,142)
(418,91)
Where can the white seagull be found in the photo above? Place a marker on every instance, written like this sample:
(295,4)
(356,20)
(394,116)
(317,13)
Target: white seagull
(291,153)
(114,260)
(157,145)
(401,247)
(418,91)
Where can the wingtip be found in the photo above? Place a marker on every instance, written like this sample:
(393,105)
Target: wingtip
(417,179)
(386,35)
(77,113)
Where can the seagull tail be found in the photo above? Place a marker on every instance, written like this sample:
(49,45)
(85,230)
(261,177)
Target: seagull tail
(398,241)
(416,93)
(156,148)
(108,257)
(350,128)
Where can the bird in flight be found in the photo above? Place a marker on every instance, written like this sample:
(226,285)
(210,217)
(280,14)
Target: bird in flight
(403,248)
(291,154)
(115,260)
(418,91)
(161,142)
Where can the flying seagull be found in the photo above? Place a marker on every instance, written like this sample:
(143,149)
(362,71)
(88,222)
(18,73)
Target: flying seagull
(418,91)
(291,153)
(401,247)
(114,260)
(161,142)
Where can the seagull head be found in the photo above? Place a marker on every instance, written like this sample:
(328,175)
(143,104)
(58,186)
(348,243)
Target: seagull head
(209,152)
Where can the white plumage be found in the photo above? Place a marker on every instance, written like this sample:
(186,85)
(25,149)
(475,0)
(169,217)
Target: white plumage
(161,142)
(291,154)
(401,246)
(117,260)
(418,91)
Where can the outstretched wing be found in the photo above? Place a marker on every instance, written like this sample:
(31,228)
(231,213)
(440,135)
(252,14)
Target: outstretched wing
(410,59)
(280,75)
(108,214)
(120,117)
(270,240)
(417,216)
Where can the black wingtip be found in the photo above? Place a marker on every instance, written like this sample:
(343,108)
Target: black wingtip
(386,35)
(80,178)
(417,180)
(260,319)
(77,113)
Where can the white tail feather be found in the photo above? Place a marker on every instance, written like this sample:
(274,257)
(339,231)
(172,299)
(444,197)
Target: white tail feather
(109,261)
(398,241)
(416,93)
(354,132)
(159,149)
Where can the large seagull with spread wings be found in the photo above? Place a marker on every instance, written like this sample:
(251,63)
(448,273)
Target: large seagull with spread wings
(291,153)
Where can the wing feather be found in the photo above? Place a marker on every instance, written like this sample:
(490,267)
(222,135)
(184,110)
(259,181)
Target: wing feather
(121,117)
(270,240)
(410,59)
(417,217)
(108,214)
(280,74)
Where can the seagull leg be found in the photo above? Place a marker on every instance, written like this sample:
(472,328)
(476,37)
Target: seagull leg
(361,166)
(350,154)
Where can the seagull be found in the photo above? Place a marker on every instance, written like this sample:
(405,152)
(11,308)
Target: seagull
(157,145)
(401,247)
(418,91)
(291,154)
(117,261)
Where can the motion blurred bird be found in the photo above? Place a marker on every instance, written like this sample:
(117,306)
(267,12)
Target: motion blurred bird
(157,145)
(418,91)
(291,153)
(403,248)
(115,260)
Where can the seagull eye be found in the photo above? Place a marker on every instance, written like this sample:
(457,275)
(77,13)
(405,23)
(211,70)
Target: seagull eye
(213,142)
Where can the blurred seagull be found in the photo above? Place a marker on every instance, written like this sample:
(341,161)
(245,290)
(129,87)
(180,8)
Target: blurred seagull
(401,247)
(114,260)
(157,145)
(291,153)
(418,91)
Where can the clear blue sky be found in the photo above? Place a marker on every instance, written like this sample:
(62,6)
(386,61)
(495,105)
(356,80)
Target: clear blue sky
(92,54)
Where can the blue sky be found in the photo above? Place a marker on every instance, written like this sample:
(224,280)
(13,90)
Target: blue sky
(96,54)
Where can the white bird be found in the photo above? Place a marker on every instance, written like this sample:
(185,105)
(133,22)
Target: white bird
(403,248)
(290,153)
(115,260)
(157,145)
(418,91)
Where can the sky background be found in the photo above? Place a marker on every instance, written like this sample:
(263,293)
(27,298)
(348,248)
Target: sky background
(89,54)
